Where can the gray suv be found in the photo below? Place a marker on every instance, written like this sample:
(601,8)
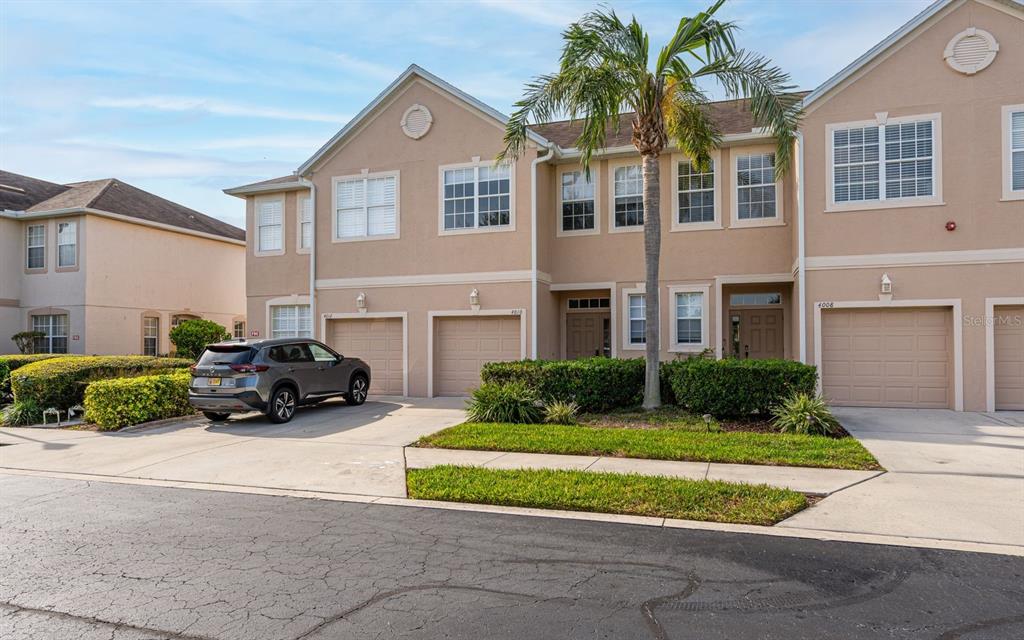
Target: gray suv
(273,376)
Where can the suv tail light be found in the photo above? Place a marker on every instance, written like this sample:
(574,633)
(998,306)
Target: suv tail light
(249,368)
(192,369)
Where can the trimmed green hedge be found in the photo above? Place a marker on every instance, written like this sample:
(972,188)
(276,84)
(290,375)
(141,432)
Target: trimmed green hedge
(733,387)
(719,387)
(60,382)
(595,384)
(12,362)
(121,402)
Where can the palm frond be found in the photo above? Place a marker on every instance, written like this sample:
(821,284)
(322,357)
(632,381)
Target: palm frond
(689,123)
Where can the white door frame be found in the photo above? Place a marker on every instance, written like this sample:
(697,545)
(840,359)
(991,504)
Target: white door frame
(369,315)
(990,346)
(467,313)
(958,341)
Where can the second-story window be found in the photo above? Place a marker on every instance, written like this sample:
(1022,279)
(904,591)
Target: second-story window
(629,199)
(305,222)
(1017,151)
(755,186)
(477,197)
(855,164)
(366,207)
(577,201)
(908,159)
(35,246)
(67,244)
(269,233)
(696,193)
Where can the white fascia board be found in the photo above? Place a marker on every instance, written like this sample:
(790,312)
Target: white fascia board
(56,213)
(278,186)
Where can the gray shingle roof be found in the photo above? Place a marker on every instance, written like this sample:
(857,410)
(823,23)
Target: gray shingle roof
(18,192)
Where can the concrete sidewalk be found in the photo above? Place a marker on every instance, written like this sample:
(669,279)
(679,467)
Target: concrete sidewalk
(816,482)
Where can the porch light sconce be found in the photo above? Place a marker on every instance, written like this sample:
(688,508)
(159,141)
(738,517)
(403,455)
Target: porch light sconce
(474,300)
(361,302)
(885,290)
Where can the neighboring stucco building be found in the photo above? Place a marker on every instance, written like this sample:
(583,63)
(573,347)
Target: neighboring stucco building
(891,255)
(102,267)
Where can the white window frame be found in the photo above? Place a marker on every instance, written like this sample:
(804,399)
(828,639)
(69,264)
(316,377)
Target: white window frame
(595,181)
(49,331)
(155,338)
(735,221)
(300,203)
(73,225)
(640,288)
(881,120)
(1007,128)
(705,341)
(612,166)
(235,333)
(716,159)
(366,175)
(28,246)
(257,203)
(298,333)
(476,163)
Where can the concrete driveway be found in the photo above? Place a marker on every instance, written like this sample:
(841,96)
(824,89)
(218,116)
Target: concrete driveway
(952,476)
(330,448)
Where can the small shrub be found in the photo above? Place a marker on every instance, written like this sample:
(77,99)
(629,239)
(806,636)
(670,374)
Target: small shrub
(512,402)
(595,384)
(19,414)
(26,340)
(192,336)
(10,363)
(735,387)
(559,412)
(61,382)
(121,402)
(805,414)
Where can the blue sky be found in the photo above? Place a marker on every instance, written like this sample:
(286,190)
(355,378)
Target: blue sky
(186,98)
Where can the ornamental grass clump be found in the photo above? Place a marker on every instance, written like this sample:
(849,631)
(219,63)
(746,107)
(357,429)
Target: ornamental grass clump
(805,414)
(513,402)
(562,413)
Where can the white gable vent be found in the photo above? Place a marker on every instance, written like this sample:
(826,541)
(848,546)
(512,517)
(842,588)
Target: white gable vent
(971,50)
(416,121)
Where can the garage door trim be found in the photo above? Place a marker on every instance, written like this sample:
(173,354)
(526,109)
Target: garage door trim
(463,313)
(377,314)
(953,303)
(990,346)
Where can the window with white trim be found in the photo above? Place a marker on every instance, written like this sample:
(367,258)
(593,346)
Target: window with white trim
(758,299)
(290,321)
(696,191)
(755,186)
(269,232)
(55,333)
(629,200)
(150,335)
(874,163)
(238,330)
(35,246)
(305,222)
(1016,150)
(577,201)
(67,244)
(366,207)
(477,196)
(637,319)
(590,303)
(689,318)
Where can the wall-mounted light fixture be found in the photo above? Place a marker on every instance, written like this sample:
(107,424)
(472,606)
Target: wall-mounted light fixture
(886,285)
(361,301)
(474,300)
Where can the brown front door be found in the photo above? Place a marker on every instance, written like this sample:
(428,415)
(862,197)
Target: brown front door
(760,333)
(587,335)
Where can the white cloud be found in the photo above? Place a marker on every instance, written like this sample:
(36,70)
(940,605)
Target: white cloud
(366,67)
(216,107)
(537,12)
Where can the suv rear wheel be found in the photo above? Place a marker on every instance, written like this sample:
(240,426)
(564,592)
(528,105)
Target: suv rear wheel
(357,389)
(216,416)
(282,405)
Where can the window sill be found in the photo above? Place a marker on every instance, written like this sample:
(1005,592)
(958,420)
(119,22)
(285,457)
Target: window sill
(39,270)
(268,254)
(630,229)
(634,347)
(1012,197)
(303,252)
(577,232)
(754,224)
(696,226)
(475,230)
(689,348)
(390,236)
(888,204)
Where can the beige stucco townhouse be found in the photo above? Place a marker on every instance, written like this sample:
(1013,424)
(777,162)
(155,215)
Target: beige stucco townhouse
(891,255)
(102,267)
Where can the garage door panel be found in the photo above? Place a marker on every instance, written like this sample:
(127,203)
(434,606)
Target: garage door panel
(379,342)
(462,345)
(1008,343)
(896,357)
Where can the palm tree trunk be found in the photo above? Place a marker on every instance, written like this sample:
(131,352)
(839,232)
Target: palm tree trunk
(652,258)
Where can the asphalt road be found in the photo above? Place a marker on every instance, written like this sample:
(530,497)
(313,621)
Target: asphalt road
(105,561)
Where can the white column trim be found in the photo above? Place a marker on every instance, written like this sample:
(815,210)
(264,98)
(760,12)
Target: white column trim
(990,345)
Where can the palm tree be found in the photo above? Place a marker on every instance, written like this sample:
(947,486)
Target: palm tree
(605,71)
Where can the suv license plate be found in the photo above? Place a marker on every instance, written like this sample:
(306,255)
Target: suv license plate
(213,382)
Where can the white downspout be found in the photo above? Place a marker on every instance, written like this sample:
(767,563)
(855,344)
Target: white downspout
(533,248)
(314,324)
(801,256)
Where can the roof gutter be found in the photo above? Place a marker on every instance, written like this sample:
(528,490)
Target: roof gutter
(801,255)
(54,213)
(729,138)
(312,254)
(277,186)
(534,271)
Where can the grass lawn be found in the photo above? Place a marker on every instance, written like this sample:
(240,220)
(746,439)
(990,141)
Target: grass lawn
(676,442)
(713,501)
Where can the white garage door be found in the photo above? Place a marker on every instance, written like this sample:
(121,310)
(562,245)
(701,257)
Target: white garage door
(378,341)
(1009,357)
(887,357)
(463,344)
